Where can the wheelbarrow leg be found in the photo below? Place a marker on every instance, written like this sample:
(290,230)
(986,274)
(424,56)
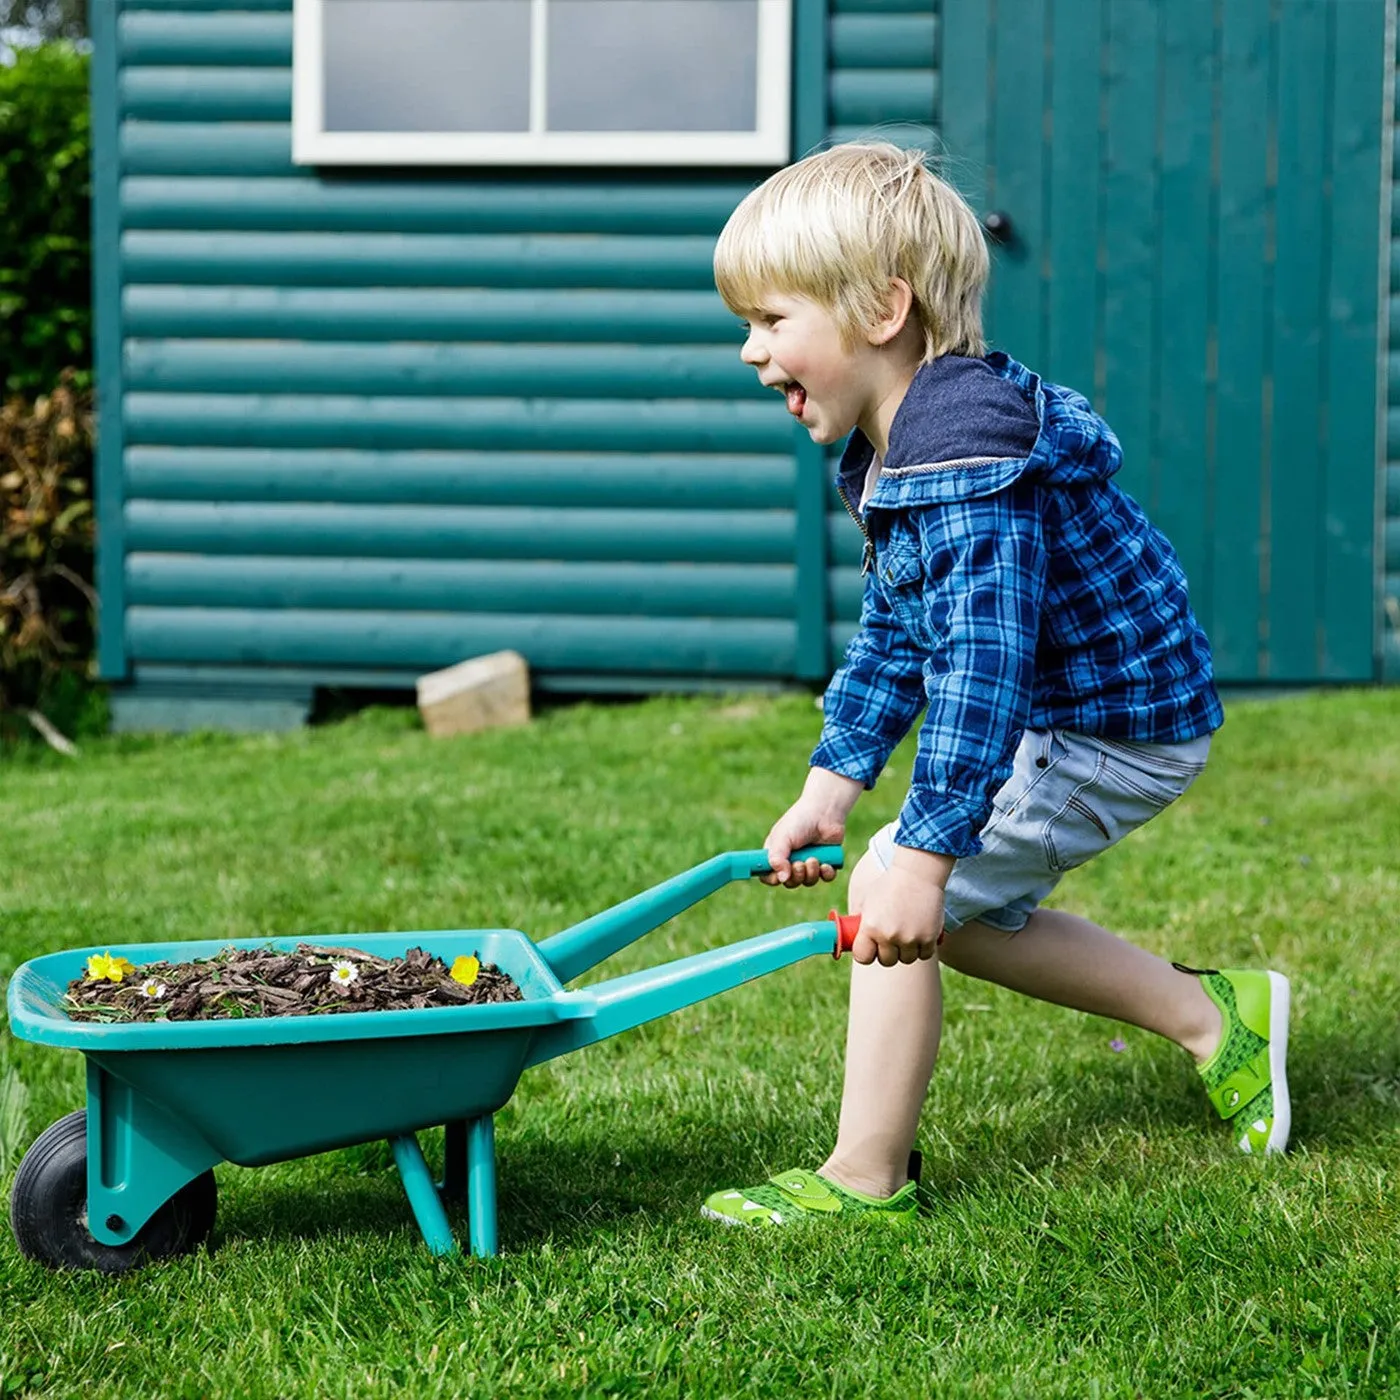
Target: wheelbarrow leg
(481,1185)
(422,1195)
(454,1161)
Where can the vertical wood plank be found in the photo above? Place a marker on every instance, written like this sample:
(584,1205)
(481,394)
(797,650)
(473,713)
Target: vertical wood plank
(1243,293)
(810,87)
(1183,462)
(1128,257)
(112,659)
(1350,623)
(967,77)
(1017,134)
(1071,234)
(1296,476)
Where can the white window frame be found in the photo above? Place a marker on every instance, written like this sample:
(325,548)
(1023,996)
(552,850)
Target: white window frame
(767,144)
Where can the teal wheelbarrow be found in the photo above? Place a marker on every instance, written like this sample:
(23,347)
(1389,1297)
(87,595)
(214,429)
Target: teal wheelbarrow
(129,1178)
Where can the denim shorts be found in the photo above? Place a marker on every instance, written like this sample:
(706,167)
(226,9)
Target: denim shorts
(1069,797)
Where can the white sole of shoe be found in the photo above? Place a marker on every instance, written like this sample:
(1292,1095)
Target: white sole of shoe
(1278,1063)
(724,1219)
(715,1215)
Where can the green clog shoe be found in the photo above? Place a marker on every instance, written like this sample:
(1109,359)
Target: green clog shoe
(801,1195)
(1247,1076)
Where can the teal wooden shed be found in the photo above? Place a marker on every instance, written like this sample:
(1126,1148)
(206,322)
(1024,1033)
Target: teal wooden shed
(408,348)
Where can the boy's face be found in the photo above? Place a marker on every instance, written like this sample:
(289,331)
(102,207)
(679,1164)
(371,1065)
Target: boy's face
(796,347)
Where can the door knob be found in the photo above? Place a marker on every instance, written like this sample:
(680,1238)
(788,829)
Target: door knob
(998,226)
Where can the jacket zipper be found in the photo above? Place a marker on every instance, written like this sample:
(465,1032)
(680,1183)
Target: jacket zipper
(867,556)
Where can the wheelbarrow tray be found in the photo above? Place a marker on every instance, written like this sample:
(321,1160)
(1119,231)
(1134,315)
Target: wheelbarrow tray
(261,1089)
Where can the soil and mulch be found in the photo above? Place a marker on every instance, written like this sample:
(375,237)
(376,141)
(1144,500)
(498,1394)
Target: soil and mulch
(310,981)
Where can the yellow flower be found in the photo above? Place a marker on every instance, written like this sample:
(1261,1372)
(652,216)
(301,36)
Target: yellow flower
(464,970)
(104,967)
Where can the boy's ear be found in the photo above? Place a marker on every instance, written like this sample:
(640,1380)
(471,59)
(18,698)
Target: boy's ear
(899,302)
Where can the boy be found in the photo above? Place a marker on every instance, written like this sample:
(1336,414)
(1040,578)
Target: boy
(1027,602)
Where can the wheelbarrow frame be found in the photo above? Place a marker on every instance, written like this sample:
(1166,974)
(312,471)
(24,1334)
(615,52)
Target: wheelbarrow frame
(167,1101)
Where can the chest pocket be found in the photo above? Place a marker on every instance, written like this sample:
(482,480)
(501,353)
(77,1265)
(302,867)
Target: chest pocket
(899,568)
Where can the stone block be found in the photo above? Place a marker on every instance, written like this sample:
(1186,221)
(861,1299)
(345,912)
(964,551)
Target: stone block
(487,692)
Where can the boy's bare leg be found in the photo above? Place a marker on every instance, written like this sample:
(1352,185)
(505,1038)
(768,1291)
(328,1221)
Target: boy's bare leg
(1062,958)
(895,1018)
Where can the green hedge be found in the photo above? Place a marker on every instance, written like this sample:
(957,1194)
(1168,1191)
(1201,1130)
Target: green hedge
(45,194)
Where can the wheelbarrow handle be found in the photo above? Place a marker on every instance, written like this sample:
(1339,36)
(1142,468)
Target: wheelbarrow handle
(637,997)
(574,950)
(827,855)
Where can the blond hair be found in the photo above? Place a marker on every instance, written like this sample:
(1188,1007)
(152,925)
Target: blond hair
(839,225)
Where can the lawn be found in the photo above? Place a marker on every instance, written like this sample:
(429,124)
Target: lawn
(1089,1230)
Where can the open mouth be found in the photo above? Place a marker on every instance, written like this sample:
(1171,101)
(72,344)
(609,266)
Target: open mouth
(795,395)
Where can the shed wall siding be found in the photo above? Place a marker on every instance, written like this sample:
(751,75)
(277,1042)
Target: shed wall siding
(380,424)
(1390,509)
(372,424)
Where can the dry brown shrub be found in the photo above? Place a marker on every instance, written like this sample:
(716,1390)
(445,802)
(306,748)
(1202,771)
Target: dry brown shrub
(47,602)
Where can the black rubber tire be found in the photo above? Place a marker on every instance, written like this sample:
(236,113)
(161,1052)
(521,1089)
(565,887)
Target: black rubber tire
(48,1209)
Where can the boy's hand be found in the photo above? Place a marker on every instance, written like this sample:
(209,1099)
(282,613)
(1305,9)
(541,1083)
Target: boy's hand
(902,915)
(817,818)
(800,826)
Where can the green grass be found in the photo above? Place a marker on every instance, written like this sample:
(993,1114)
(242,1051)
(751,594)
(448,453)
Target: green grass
(1091,1232)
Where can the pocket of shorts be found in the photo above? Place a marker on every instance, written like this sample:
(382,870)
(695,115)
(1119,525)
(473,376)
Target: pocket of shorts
(1035,763)
(1101,811)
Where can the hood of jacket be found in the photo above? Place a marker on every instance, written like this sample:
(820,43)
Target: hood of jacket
(970,427)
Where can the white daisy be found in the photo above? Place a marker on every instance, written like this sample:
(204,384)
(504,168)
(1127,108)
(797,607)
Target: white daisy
(153,987)
(343,974)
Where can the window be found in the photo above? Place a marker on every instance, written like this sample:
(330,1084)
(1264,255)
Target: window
(553,82)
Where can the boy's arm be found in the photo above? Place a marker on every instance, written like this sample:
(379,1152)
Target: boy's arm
(869,706)
(873,700)
(982,598)
(985,578)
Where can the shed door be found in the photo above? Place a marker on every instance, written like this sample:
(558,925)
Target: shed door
(1193,195)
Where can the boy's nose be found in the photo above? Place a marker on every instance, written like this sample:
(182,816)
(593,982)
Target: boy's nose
(752,353)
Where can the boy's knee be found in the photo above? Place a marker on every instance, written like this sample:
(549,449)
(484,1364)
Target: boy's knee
(867,871)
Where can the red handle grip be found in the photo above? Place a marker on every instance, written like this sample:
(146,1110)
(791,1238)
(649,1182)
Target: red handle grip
(847,926)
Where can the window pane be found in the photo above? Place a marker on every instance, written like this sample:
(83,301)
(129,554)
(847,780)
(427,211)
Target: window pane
(427,65)
(652,65)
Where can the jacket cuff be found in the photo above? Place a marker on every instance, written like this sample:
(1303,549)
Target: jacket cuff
(939,825)
(852,755)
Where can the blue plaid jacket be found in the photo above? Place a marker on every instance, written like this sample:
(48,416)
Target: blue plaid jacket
(1010,585)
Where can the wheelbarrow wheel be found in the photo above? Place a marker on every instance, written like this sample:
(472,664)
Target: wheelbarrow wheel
(48,1209)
